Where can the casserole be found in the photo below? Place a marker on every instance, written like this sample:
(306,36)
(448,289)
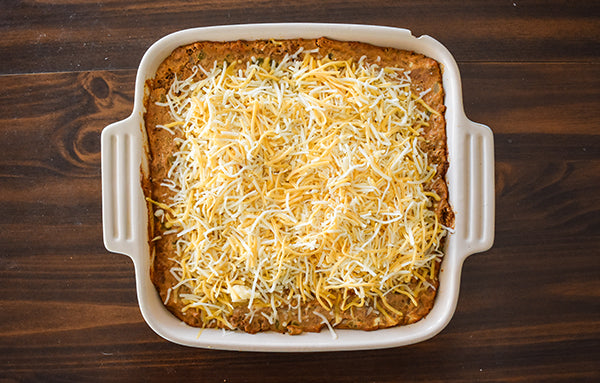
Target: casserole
(470,180)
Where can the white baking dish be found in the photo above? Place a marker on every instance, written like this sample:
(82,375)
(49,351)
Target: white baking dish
(470,178)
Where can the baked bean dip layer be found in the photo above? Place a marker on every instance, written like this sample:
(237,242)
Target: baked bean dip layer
(296,184)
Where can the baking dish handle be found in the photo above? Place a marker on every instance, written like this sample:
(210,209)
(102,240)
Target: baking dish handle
(122,214)
(479,190)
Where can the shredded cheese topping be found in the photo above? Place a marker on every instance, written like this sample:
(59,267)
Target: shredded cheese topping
(296,181)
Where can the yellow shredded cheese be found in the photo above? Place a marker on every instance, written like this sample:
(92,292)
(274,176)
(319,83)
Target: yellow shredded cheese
(298,180)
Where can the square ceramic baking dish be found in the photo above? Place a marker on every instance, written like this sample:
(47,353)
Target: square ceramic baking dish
(470,179)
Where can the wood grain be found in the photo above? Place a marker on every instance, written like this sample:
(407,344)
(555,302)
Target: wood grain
(80,35)
(550,98)
(528,308)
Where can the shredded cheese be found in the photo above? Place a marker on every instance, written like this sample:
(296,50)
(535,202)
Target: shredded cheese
(297,181)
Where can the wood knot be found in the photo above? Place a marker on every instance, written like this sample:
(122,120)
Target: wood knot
(99,87)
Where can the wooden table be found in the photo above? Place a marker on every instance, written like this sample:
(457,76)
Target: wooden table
(529,308)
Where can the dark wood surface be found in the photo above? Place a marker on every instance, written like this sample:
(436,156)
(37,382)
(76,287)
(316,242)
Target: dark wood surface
(529,308)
